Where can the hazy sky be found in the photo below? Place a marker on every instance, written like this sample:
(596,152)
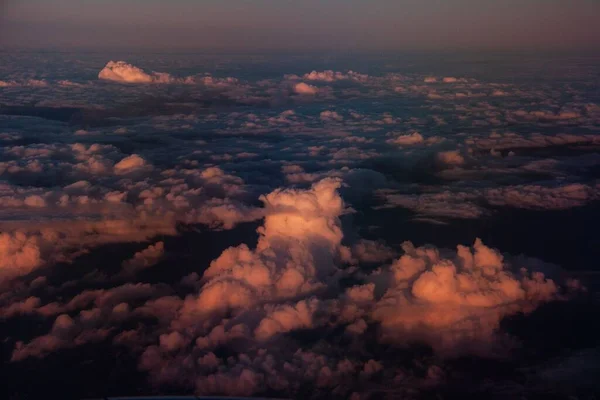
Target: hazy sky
(301,25)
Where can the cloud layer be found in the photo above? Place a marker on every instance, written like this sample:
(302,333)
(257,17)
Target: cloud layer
(250,231)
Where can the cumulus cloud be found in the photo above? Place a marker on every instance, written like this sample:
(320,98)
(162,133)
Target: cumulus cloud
(106,197)
(145,258)
(286,318)
(330,116)
(291,281)
(130,164)
(409,139)
(450,158)
(65,334)
(19,254)
(122,72)
(304,311)
(298,244)
(305,89)
(456,304)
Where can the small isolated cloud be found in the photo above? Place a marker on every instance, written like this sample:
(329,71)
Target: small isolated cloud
(306,89)
(330,116)
(130,164)
(122,72)
(450,158)
(449,79)
(407,140)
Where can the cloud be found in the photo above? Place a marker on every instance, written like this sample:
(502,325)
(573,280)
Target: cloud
(104,196)
(369,251)
(534,197)
(286,318)
(451,158)
(443,204)
(305,89)
(298,243)
(120,71)
(310,309)
(475,203)
(408,139)
(28,83)
(332,76)
(515,141)
(19,254)
(330,116)
(64,334)
(456,304)
(131,164)
(253,298)
(449,79)
(145,258)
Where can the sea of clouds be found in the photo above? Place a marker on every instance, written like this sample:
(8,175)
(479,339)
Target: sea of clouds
(117,165)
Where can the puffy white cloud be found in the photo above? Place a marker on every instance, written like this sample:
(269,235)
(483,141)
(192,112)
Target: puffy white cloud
(409,139)
(130,164)
(145,258)
(19,254)
(64,334)
(285,318)
(229,327)
(450,158)
(453,302)
(449,79)
(120,71)
(298,244)
(305,89)
(330,116)
(456,304)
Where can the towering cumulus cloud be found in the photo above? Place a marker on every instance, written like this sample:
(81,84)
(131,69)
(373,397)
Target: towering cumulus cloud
(298,245)
(250,300)
(456,302)
(271,290)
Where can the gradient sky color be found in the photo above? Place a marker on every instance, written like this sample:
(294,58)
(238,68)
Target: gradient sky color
(302,25)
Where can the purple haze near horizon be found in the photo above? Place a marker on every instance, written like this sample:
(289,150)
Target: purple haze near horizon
(269,25)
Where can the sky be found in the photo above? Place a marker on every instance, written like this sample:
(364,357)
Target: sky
(283,25)
(355,226)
